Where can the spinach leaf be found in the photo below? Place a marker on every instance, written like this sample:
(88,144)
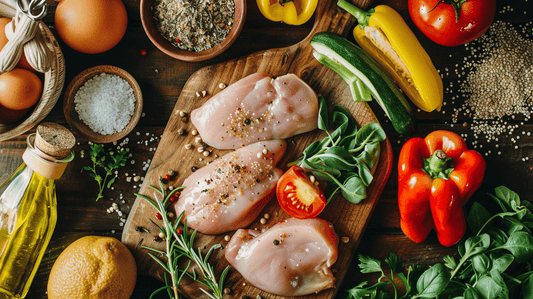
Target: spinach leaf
(520,244)
(488,288)
(477,217)
(339,158)
(481,264)
(471,293)
(498,236)
(322,114)
(433,281)
(348,136)
(527,287)
(335,159)
(500,262)
(353,189)
(370,133)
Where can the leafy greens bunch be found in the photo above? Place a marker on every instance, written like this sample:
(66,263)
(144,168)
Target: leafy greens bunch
(98,157)
(495,263)
(345,157)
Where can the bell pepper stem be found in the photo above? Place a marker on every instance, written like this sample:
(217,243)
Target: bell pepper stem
(362,16)
(438,161)
(437,165)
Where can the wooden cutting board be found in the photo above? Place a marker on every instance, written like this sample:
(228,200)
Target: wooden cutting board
(348,219)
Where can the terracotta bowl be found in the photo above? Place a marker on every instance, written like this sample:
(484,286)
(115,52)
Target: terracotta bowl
(72,115)
(167,48)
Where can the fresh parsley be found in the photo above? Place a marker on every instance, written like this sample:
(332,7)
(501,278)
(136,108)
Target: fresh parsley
(99,157)
(345,157)
(495,263)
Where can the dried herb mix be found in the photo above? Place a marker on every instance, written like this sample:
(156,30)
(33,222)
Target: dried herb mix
(194,25)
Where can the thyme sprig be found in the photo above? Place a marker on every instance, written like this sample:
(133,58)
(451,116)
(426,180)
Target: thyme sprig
(179,243)
(98,157)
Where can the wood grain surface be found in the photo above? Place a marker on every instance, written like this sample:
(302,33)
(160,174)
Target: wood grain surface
(349,220)
(163,78)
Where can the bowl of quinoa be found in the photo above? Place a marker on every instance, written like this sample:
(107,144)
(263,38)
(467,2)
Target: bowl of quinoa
(103,103)
(192,30)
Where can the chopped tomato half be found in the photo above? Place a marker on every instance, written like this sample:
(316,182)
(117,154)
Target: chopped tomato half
(298,196)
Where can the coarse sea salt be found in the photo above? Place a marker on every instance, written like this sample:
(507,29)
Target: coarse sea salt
(105,103)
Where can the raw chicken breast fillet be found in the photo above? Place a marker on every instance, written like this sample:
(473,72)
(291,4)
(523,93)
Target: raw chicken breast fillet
(230,192)
(257,108)
(300,263)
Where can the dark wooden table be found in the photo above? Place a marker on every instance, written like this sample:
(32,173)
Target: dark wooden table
(161,79)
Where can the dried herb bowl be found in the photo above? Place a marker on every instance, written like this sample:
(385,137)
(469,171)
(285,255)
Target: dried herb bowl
(72,115)
(150,27)
(53,81)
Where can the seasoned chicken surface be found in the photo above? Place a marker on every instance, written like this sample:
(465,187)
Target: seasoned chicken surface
(229,193)
(292,258)
(257,108)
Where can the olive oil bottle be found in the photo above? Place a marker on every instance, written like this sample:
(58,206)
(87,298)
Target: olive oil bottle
(28,207)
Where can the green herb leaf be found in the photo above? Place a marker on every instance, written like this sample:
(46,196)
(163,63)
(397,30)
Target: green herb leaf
(111,181)
(394,262)
(520,244)
(370,133)
(433,281)
(481,264)
(368,264)
(477,217)
(339,158)
(353,189)
(500,262)
(322,114)
(488,288)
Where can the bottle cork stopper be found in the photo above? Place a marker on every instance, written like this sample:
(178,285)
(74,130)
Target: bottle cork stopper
(54,140)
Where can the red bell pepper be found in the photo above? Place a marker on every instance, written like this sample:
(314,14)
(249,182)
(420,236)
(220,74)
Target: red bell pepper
(436,177)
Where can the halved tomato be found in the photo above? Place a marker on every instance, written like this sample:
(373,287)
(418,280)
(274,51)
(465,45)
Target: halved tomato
(298,196)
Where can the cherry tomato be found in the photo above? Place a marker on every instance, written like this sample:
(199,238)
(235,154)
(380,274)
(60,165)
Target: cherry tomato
(452,22)
(298,196)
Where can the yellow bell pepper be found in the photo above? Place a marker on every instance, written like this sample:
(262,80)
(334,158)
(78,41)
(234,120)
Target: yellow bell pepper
(292,12)
(385,36)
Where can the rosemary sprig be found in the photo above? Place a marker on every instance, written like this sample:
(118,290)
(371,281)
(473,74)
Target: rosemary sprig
(98,157)
(179,243)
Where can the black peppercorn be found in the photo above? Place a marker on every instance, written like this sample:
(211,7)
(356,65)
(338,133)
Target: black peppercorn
(276,242)
(194,168)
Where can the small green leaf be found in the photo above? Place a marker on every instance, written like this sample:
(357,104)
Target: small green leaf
(488,288)
(89,168)
(322,114)
(368,264)
(477,217)
(481,263)
(394,262)
(370,133)
(520,244)
(111,181)
(500,262)
(353,189)
(433,281)
(339,158)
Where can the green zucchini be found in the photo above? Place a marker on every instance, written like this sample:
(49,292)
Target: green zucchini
(365,78)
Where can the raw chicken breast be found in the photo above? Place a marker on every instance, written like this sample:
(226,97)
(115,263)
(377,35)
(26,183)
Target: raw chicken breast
(229,193)
(300,263)
(257,108)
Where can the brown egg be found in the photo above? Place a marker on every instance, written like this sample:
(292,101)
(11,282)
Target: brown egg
(9,116)
(19,89)
(91,26)
(23,62)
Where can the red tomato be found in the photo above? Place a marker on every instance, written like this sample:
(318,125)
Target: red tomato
(439,20)
(298,196)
